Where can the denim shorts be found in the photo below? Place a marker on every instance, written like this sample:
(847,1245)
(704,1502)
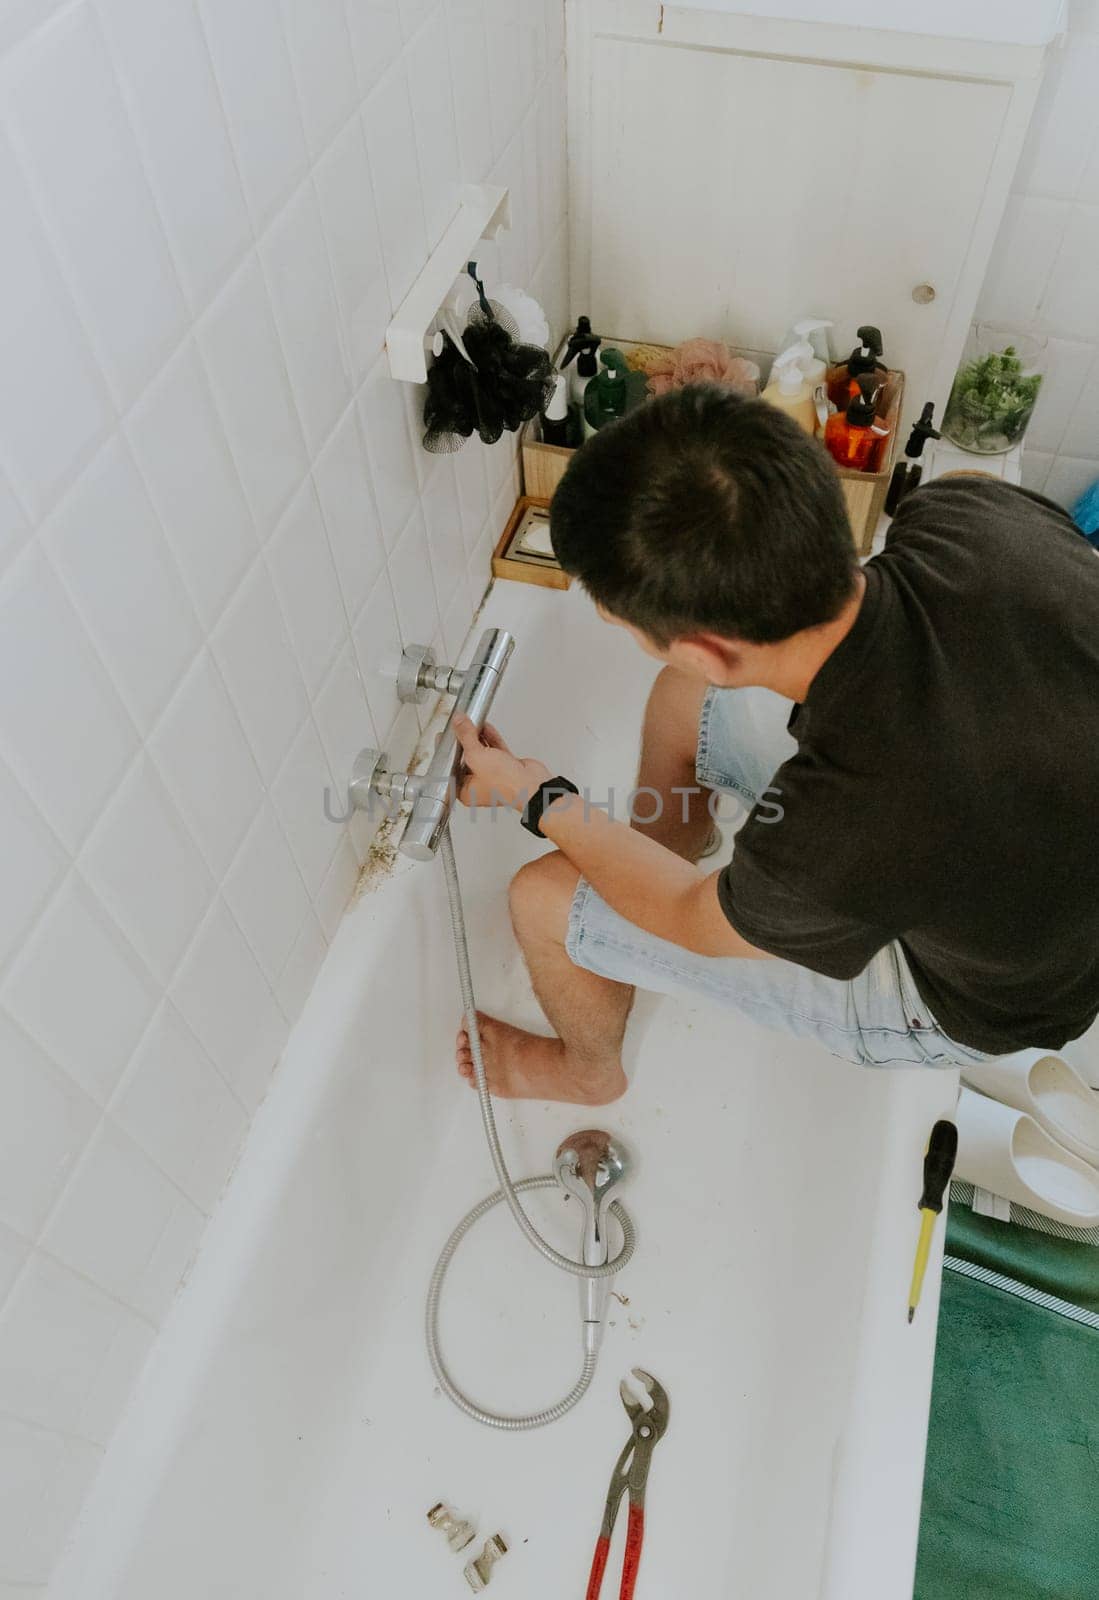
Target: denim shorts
(877,1019)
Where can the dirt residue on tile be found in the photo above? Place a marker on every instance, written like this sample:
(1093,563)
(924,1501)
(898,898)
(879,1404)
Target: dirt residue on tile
(380,860)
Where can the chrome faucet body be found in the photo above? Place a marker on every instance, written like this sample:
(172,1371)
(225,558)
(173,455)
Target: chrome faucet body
(433,792)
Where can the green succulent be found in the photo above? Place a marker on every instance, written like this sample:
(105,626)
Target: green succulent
(991,402)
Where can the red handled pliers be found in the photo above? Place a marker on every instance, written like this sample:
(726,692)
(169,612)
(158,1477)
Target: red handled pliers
(631,1471)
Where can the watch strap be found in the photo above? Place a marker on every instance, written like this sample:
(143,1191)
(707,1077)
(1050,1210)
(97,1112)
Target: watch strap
(547,792)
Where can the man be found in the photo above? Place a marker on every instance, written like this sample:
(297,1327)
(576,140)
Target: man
(918,879)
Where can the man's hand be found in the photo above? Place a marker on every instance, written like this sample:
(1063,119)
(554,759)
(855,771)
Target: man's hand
(495,777)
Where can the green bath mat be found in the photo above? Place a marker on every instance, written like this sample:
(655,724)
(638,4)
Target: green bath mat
(1011,1486)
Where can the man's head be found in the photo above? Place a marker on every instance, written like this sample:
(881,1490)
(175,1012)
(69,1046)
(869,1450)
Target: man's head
(712,527)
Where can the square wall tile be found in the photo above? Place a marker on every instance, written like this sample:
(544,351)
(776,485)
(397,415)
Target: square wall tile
(474,499)
(427,464)
(147,870)
(391,147)
(345,192)
(202,756)
(376,39)
(90,181)
(455,623)
(533,184)
(80,993)
(342,715)
(57,1337)
(1068,477)
(179,444)
(553,151)
(320,55)
(303,792)
(555,30)
(118,1220)
(13,525)
(550,286)
(1062,131)
(31,864)
(337,889)
(260,670)
(427,59)
(240,347)
(301,970)
(295,262)
(46,1126)
(377,639)
(178,1109)
(443,519)
(49,369)
(1081,437)
(1022,259)
(266,894)
(20,18)
(252,67)
(505,71)
(468,48)
(1070,304)
(389,449)
(306,584)
(101,1352)
(413,589)
(1034,469)
(44,1478)
(168,85)
(107,542)
(13,1252)
(224,998)
(414,13)
(59,713)
(1067,365)
(1088,191)
(513,264)
(342,477)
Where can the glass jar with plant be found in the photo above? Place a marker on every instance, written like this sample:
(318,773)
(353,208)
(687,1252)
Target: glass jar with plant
(995,390)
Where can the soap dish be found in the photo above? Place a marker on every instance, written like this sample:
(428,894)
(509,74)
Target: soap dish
(524,552)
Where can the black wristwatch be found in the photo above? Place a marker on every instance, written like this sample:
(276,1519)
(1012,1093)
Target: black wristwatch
(546,793)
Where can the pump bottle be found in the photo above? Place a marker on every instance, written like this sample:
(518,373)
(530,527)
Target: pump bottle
(864,360)
(854,437)
(790,390)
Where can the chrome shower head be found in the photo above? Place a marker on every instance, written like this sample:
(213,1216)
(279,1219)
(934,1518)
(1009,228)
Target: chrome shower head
(588,1165)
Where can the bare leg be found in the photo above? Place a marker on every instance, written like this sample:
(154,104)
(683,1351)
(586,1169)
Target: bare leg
(668,742)
(583,1064)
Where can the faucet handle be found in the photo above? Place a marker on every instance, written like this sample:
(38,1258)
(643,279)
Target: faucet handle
(420,674)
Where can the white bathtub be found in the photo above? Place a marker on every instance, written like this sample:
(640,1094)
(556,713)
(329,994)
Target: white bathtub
(286,1439)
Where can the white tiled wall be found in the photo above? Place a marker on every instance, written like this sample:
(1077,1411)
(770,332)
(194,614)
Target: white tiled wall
(1044,275)
(216,527)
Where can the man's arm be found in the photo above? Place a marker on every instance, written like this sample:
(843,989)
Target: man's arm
(644,882)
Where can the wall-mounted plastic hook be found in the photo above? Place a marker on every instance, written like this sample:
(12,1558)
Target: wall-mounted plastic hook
(483,211)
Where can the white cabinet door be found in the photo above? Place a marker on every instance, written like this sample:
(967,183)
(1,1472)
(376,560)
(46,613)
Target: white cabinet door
(731,193)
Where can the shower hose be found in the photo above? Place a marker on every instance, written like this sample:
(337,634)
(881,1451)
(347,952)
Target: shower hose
(508,1192)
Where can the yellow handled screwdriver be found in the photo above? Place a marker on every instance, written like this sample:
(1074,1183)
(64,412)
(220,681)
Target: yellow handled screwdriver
(938,1164)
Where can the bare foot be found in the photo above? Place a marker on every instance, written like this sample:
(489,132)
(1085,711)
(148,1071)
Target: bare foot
(528,1066)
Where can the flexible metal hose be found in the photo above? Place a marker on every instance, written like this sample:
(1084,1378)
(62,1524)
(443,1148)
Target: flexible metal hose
(509,1192)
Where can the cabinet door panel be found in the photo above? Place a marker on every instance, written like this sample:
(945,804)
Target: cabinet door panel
(732,193)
